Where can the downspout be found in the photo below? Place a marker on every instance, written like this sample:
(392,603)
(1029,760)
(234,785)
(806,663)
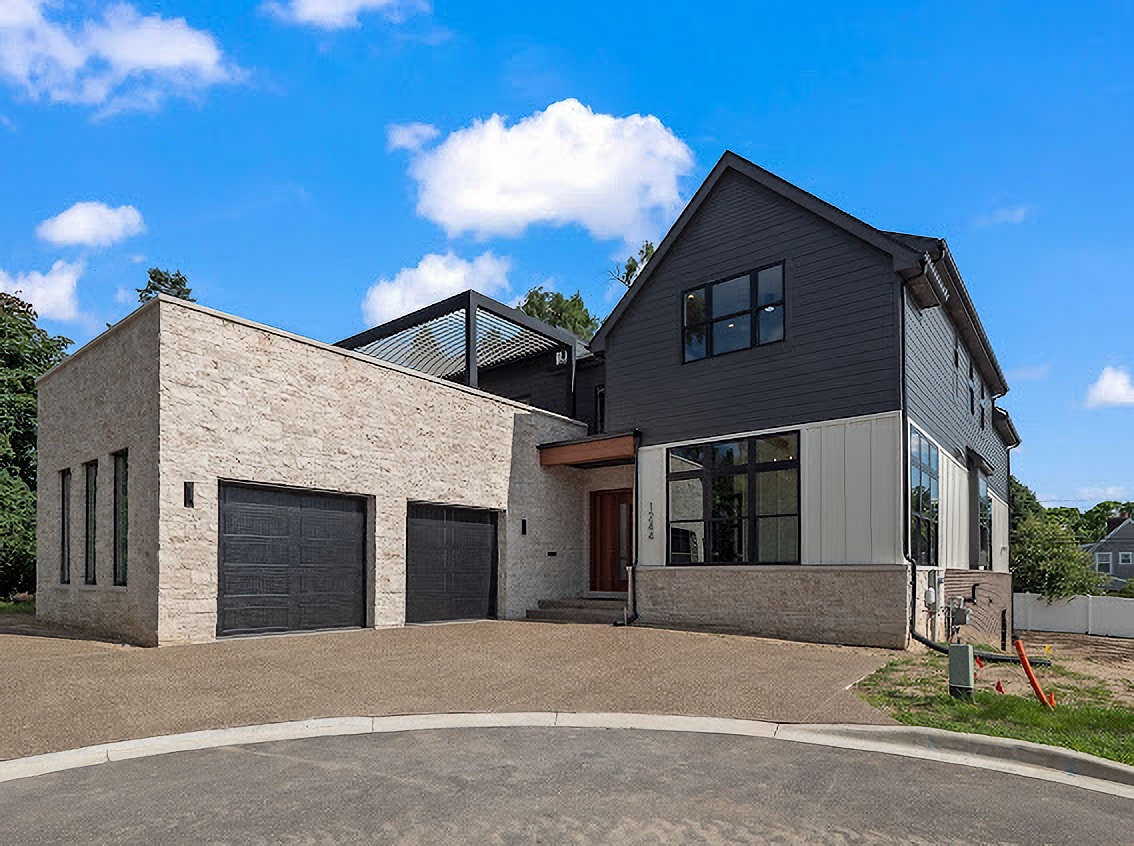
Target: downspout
(632,616)
(904,460)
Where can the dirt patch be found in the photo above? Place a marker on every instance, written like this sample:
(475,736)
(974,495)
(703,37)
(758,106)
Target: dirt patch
(1087,670)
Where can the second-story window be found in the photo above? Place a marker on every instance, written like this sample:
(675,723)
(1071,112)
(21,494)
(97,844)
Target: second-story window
(734,314)
(972,390)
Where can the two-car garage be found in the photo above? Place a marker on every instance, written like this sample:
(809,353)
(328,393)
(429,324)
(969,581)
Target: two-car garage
(295,560)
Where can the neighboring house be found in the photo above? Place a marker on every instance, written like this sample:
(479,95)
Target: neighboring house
(786,427)
(1114,554)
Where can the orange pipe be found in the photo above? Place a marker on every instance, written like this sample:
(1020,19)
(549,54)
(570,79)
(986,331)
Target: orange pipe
(1049,702)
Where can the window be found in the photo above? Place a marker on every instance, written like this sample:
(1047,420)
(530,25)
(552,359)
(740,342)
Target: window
(1126,558)
(65,527)
(972,390)
(734,314)
(924,492)
(956,366)
(1102,562)
(121,517)
(984,516)
(600,409)
(982,406)
(91,472)
(735,501)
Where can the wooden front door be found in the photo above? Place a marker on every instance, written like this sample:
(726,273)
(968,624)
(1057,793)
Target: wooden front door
(612,539)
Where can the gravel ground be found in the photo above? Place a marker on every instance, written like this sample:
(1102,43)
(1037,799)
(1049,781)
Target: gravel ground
(59,693)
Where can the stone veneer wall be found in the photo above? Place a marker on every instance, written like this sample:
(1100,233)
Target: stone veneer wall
(849,604)
(248,403)
(103,399)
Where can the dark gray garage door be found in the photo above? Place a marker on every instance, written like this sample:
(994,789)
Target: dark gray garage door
(290,560)
(450,564)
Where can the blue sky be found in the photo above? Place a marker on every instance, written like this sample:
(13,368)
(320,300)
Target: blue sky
(310,163)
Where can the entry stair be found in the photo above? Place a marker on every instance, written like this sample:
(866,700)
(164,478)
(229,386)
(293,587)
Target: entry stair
(602,610)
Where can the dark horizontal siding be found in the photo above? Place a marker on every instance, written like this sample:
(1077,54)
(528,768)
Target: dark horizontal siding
(537,381)
(937,394)
(840,358)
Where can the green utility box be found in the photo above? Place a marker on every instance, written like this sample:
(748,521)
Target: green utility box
(961,671)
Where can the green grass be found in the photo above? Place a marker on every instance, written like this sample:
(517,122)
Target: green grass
(1088,718)
(9,607)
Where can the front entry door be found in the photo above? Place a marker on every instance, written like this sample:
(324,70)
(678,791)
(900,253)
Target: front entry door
(612,543)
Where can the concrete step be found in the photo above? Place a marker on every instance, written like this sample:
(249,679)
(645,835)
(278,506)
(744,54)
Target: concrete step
(583,602)
(575,615)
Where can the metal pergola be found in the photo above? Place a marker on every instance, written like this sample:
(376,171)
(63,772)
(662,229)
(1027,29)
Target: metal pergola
(458,337)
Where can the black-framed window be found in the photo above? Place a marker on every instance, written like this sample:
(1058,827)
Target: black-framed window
(924,499)
(121,516)
(984,516)
(735,501)
(972,390)
(733,314)
(65,526)
(982,406)
(600,409)
(90,472)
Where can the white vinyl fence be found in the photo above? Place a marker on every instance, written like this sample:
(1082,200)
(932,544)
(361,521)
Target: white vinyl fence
(1112,616)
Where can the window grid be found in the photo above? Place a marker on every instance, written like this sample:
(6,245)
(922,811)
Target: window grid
(735,501)
(1126,558)
(924,499)
(984,515)
(1102,562)
(735,313)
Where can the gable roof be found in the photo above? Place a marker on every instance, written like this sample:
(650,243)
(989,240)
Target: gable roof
(1119,532)
(925,264)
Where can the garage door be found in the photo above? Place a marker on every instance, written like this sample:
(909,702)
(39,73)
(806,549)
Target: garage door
(290,560)
(450,564)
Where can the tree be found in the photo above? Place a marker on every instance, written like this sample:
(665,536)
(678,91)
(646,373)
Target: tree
(568,313)
(163,282)
(1092,525)
(1024,502)
(26,352)
(634,264)
(1047,559)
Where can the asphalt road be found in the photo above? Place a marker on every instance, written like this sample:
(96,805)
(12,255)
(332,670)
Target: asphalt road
(549,785)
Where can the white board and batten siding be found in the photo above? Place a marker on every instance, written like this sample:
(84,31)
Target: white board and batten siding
(954,514)
(851,476)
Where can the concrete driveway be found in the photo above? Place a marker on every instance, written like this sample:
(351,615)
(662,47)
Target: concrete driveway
(57,693)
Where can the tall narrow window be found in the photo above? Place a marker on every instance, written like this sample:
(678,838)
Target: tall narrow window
(982,399)
(600,409)
(90,470)
(985,517)
(924,494)
(121,516)
(972,390)
(65,526)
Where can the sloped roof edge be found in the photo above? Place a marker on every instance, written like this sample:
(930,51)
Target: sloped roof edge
(904,256)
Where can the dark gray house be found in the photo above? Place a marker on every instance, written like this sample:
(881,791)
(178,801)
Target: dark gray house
(787,426)
(1114,554)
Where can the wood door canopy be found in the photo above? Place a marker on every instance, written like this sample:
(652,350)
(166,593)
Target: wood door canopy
(599,451)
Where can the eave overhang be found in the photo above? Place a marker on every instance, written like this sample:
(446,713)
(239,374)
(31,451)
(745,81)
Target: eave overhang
(595,451)
(1004,426)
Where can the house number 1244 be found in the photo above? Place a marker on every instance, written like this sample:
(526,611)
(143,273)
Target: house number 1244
(650,522)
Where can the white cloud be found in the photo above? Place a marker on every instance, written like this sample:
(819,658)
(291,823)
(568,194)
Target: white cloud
(615,176)
(434,278)
(1099,493)
(1113,387)
(410,136)
(53,294)
(92,224)
(1031,373)
(125,60)
(1010,215)
(342,14)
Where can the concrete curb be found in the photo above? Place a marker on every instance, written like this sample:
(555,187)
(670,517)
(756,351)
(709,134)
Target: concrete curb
(1030,760)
